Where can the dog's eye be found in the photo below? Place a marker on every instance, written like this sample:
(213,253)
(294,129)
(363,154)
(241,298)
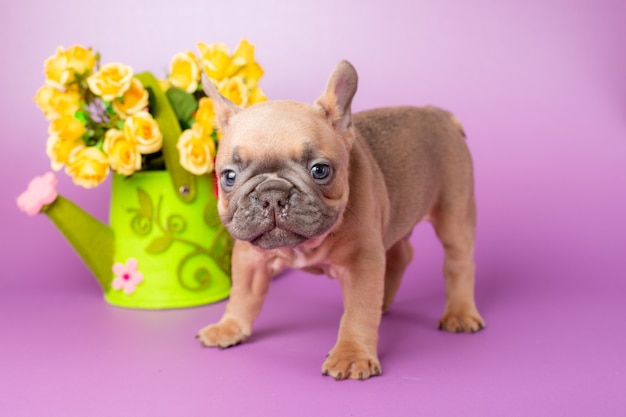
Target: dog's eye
(320,172)
(228,178)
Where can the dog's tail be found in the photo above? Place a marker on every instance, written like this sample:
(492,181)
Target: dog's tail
(458,125)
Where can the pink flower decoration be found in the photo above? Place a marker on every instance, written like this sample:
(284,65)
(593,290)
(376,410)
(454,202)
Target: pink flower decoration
(126,276)
(41,191)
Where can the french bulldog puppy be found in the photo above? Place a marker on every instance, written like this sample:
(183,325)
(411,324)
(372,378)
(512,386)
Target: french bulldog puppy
(317,188)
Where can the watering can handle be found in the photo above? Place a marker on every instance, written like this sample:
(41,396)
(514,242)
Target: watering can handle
(183,181)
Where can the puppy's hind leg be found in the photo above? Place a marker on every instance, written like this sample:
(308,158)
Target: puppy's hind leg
(398,258)
(455,223)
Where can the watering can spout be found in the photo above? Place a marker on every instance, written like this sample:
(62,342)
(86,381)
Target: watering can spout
(92,239)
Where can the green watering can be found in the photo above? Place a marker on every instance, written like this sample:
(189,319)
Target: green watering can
(165,246)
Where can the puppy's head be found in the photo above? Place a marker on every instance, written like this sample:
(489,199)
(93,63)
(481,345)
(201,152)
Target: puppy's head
(282,166)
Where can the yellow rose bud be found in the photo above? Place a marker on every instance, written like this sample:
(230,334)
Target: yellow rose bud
(251,74)
(55,103)
(214,60)
(80,59)
(123,154)
(244,54)
(111,81)
(235,90)
(58,150)
(88,166)
(244,65)
(133,100)
(197,150)
(205,115)
(61,68)
(67,128)
(144,130)
(184,71)
(255,96)
(43,99)
(57,70)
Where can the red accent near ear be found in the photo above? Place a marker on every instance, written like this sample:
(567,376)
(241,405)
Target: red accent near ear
(217,183)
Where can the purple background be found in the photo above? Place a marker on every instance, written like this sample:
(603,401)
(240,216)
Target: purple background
(540,87)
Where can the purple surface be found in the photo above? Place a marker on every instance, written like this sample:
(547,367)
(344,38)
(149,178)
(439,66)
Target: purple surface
(540,89)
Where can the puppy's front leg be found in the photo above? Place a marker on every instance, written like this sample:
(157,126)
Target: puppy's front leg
(251,281)
(355,353)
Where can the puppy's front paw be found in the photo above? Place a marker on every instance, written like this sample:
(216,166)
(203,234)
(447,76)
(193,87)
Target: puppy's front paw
(228,332)
(466,321)
(349,360)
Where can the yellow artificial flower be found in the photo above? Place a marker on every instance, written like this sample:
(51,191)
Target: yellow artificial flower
(56,69)
(111,81)
(80,59)
(244,65)
(61,68)
(65,136)
(184,71)
(256,95)
(58,150)
(217,63)
(235,90)
(67,128)
(215,60)
(88,166)
(122,152)
(205,115)
(144,131)
(56,103)
(197,150)
(251,74)
(243,55)
(133,100)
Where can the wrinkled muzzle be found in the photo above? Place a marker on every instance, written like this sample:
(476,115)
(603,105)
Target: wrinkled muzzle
(276,213)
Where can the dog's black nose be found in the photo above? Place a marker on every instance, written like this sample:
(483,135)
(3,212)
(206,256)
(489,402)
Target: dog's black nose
(275,199)
(274,193)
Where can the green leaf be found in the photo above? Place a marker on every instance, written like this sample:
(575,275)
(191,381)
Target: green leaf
(183,103)
(151,97)
(159,244)
(162,111)
(145,204)
(81,116)
(186,124)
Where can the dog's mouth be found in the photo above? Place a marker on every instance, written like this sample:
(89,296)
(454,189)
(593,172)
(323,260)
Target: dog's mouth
(268,231)
(278,238)
(272,233)
(275,213)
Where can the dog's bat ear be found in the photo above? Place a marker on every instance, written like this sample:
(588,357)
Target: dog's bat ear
(224,108)
(337,98)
